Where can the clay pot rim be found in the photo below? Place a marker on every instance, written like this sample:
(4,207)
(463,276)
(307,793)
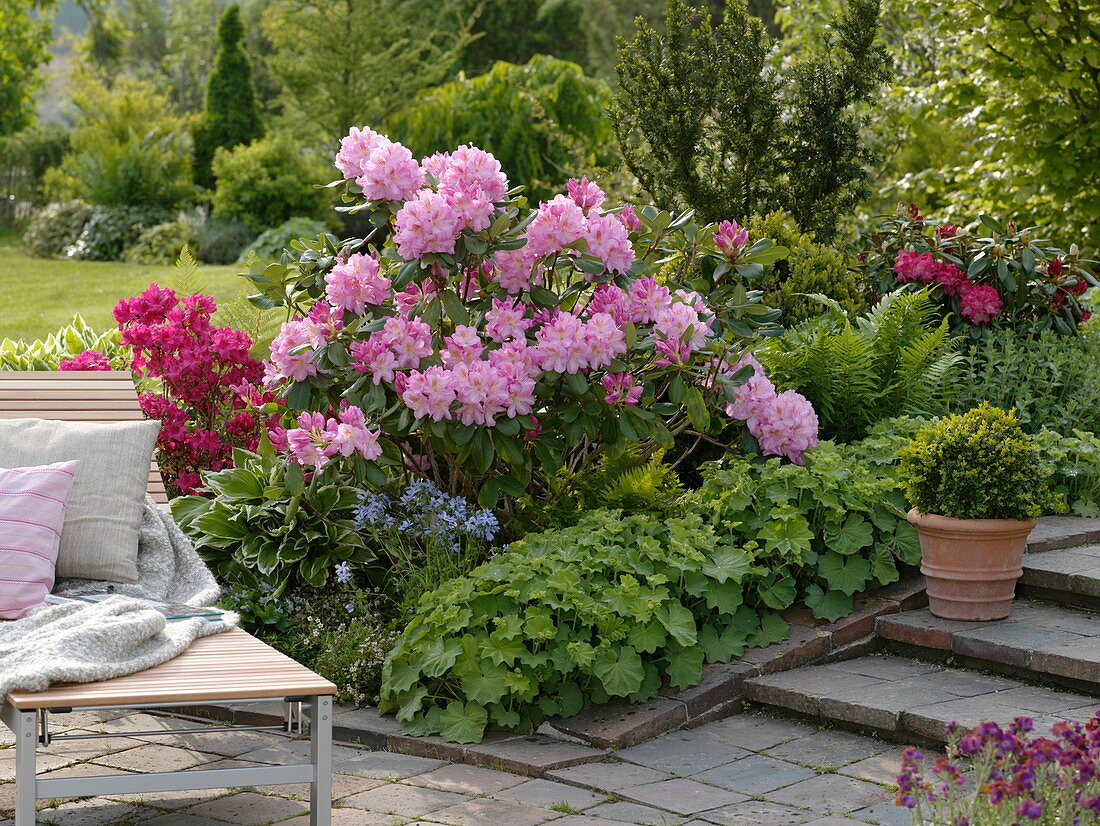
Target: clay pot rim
(935,522)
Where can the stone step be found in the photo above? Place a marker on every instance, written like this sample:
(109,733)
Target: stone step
(904,698)
(1056,532)
(1042,642)
(1068,577)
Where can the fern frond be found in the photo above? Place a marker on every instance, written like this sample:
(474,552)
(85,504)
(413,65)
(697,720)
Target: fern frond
(186,278)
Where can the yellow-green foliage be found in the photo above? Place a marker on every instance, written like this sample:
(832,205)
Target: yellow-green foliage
(810,268)
(976,465)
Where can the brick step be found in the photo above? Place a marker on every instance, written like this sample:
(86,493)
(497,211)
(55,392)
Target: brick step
(903,698)
(1067,577)
(1040,642)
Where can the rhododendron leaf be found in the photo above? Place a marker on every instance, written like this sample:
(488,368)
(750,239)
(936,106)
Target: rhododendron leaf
(661,435)
(685,667)
(620,670)
(856,533)
(456,310)
(992,223)
(543,297)
(828,605)
(463,722)
(577,383)
(750,270)
(696,408)
(299,396)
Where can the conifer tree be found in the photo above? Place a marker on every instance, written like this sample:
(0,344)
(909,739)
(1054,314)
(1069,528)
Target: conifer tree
(231,116)
(707,120)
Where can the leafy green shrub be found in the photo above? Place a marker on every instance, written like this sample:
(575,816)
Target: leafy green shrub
(56,227)
(564,618)
(24,158)
(268,182)
(890,363)
(544,121)
(162,243)
(975,465)
(809,269)
(257,530)
(128,148)
(231,116)
(1073,463)
(111,231)
(1050,380)
(270,243)
(828,530)
(222,242)
(66,343)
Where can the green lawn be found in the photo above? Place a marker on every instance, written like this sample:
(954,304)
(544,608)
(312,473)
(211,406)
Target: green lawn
(39,295)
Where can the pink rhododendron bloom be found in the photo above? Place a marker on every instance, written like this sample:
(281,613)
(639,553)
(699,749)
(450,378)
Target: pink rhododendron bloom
(621,389)
(469,167)
(979,303)
(514,270)
(608,241)
(515,358)
(951,279)
(558,223)
(563,344)
(292,352)
(349,433)
(88,360)
(353,284)
(785,425)
(407,300)
(606,339)
(947,231)
(673,353)
(648,299)
(308,441)
(481,391)
(436,165)
(471,207)
(429,394)
(151,307)
(610,299)
(426,224)
(915,266)
(356,149)
(507,320)
(374,356)
(410,339)
(629,218)
(679,320)
(463,346)
(390,174)
(730,238)
(323,322)
(750,396)
(585,194)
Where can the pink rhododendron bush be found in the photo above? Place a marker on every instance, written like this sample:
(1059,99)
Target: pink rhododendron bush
(488,345)
(995,276)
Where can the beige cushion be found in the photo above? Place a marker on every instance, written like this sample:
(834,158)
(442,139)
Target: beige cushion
(103,515)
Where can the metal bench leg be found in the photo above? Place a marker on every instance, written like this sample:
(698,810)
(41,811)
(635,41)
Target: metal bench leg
(26,743)
(320,736)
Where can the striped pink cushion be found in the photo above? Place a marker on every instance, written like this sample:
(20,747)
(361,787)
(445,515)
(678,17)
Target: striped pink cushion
(32,512)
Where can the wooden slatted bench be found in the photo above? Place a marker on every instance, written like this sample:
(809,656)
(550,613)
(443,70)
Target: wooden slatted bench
(229,667)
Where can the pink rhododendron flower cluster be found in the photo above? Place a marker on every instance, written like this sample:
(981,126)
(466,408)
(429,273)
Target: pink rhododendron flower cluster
(88,360)
(730,238)
(208,381)
(979,303)
(353,284)
(923,268)
(317,438)
(621,389)
(784,424)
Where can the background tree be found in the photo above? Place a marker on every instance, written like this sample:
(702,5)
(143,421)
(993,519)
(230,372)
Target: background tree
(517,30)
(24,48)
(231,116)
(705,120)
(347,63)
(544,121)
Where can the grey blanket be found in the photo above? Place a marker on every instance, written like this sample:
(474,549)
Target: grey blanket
(84,642)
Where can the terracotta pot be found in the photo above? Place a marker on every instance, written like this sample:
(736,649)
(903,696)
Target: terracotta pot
(971,565)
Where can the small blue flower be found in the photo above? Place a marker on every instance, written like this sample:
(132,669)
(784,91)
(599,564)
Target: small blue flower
(350,607)
(343,573)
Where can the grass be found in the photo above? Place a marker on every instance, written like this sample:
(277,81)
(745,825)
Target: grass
(40,295)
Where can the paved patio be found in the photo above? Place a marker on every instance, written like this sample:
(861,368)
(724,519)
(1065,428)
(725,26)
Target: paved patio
(746,769)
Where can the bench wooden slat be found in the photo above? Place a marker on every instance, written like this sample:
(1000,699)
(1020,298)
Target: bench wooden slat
(254,670)
(76,396)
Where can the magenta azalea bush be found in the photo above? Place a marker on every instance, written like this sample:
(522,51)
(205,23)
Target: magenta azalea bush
(1006,278)
(484,345)
(202,384)
(992,775)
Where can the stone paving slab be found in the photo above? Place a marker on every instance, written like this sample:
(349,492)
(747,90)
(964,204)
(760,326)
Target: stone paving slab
(1056,532)
(920,699)
(1045,642)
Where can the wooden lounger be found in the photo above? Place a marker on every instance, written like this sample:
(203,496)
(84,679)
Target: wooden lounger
(230,667)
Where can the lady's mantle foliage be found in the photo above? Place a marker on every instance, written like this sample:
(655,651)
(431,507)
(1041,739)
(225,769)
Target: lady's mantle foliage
(476,342)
